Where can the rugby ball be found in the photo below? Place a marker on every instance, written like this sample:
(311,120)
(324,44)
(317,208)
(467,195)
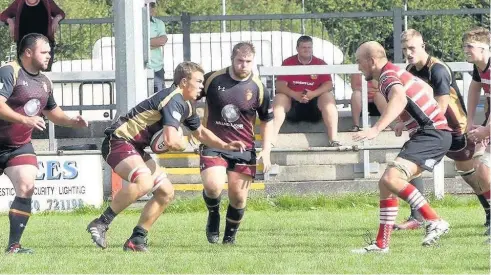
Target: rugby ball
(157,144)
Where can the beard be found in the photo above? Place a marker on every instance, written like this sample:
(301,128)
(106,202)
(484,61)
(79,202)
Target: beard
(241,74)
(40,66)
(368,77)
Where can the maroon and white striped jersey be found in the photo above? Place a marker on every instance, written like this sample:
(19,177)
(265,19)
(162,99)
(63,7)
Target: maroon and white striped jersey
(422,109)
(484,77)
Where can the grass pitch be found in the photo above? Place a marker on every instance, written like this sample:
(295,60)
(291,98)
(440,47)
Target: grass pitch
(282,235)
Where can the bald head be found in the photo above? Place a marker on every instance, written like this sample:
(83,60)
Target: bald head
(370,57)
(371,49)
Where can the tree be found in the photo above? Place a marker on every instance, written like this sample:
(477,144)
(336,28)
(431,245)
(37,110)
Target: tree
(442,33)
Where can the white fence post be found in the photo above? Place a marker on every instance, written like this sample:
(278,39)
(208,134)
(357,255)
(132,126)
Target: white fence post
(439,180)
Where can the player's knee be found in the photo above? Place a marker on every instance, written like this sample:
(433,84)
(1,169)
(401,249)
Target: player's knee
(238,201)
(164,194)
(142,176)
(386,179)
(394,172)
(213,191)
(213,188)
(25,188)
(470,177)
(159,179)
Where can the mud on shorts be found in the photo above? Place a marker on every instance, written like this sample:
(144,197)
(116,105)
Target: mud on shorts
(426,147)
(14,155)
(240,162)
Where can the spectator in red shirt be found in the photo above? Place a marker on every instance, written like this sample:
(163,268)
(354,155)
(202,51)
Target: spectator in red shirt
(33,16)
(376,101)
(306,97)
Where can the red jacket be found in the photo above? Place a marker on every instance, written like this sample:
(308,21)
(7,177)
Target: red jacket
(15,9)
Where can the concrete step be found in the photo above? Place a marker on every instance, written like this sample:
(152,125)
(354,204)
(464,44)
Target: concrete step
(301,173)
(306,140)
(289,141)
(452,185)
(280,158)
(292,158)
(341,172)
(336,187)
(96,129)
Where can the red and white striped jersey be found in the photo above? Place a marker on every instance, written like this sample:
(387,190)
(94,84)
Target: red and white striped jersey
(422,109)
(484,77)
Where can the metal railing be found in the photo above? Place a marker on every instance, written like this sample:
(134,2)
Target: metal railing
(79,39)
(88,44)
(88,78)
(365,146)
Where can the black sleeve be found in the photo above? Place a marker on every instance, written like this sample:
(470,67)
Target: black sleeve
(204,91)
(265,111)
(172,113)
(475,75)
(6,81)
(192,122)
(441,80)
(51,104)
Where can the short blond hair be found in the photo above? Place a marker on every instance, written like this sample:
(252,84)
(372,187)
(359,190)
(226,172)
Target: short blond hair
(478,34)
(185,70)
(410,34)
(244,47)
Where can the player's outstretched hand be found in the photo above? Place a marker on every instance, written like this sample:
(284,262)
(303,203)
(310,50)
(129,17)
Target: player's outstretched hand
(480,134)
(266,157)
(368,134)
(236,146)
(36,122)
(79,122)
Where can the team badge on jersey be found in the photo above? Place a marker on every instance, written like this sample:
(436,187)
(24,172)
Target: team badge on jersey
(32,107)
(313,76)
(248,94)
(230,113)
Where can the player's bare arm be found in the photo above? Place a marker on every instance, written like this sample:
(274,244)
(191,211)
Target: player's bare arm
(173,139)
(266,128)
(6,113)
(210,139)
(473,96)
(480,133)
(58,117)
(443,102)
(396,104)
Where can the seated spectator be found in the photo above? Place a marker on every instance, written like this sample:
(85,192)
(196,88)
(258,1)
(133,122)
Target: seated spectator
(376,100)
(33,16)
(306,97)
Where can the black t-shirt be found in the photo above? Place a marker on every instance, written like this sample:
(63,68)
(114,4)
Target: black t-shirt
(33,19)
